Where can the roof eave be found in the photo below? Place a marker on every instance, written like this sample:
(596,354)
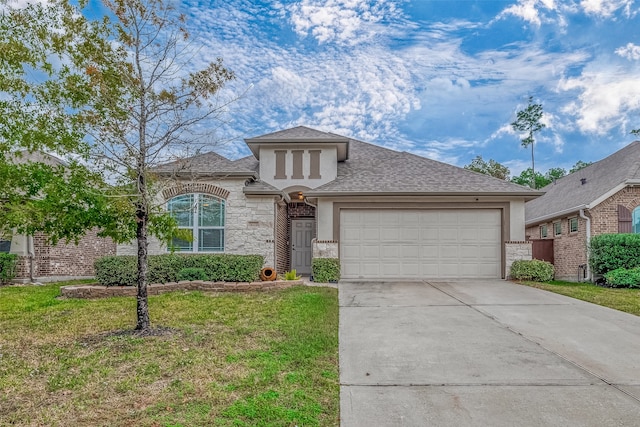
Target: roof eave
(561,213)
(217,174)
(529,195)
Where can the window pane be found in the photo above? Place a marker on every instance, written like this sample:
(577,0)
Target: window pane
(636,220)
(573,225)
(180,245)
(210,212)
(557,228)
(181,209)
(211,240)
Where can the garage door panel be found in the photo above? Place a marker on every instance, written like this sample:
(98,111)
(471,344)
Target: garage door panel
(421,243)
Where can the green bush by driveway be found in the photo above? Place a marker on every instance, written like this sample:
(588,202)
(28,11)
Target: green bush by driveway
(609,252)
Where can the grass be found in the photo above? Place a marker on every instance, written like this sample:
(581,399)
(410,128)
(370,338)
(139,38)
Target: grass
(254,359)
(627,300)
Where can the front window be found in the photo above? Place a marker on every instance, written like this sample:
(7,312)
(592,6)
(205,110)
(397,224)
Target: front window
(557,228)
(203,218)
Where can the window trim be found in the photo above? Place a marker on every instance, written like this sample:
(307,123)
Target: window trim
(555,226)
(570,220)
(195,223)
(543,231)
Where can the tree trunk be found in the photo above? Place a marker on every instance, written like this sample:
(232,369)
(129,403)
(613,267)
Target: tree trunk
(142,300)
(533,166)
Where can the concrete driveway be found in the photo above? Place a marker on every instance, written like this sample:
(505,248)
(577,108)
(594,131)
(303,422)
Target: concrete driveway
(483,353)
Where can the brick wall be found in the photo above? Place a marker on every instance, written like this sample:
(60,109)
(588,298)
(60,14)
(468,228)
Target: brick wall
(283,252)
(301,210)
(64,260)
(570,249)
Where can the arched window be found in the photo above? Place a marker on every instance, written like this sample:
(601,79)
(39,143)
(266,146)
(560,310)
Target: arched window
(635,220)
(203,215)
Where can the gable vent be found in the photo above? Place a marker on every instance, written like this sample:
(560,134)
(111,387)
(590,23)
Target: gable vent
(583,181)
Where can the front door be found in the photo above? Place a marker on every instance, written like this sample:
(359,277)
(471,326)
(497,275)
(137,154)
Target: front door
(302,231)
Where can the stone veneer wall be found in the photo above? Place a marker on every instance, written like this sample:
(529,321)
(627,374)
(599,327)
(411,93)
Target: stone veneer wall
(517,250)
(249,221)
(64,260)
(325,249)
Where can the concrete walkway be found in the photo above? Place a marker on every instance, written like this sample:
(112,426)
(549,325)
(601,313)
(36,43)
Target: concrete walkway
(484,353)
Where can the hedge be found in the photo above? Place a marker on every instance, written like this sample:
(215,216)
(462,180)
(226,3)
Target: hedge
(623,278)
(122,270)
(8,264)
(610,252)
(325,270)
(534,269)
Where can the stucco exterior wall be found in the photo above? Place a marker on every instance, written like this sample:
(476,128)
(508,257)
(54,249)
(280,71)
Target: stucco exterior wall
(516,224)
(249,221)
(328,166)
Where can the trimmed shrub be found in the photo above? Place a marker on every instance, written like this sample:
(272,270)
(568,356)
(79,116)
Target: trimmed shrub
(610,252)
(623,278)
(325,270)
(8,263)
(192,273)
(534,269)
(122,270)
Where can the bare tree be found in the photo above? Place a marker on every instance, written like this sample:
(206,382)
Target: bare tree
(126,94)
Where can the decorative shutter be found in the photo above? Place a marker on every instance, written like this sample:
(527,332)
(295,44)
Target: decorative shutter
(624,220)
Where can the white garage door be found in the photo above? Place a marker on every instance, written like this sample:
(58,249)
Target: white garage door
(420,243)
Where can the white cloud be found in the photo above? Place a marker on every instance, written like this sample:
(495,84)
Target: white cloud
(630,51)
(606,98)
(341,21)
(606,8)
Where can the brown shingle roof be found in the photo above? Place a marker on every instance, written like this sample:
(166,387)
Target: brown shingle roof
(374,169)
(208,164)
(570,194)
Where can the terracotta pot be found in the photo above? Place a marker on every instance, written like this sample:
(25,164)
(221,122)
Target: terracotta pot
(268,274)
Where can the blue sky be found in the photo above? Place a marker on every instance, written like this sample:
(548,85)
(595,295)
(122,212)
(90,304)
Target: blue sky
(442,79)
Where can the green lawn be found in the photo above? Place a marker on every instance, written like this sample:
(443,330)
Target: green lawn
(254,359)
(627,300)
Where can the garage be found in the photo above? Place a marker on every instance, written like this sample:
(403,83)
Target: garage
(416,244)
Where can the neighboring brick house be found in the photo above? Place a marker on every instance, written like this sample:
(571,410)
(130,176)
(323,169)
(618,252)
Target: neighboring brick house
(602,198)
(39,261)
(304,193)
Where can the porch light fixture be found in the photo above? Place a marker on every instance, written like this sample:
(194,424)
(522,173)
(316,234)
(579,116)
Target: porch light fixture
(300,196)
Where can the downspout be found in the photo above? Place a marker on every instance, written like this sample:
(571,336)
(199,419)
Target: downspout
(32,257)
(583,216)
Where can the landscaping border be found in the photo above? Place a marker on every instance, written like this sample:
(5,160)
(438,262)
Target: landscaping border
(98,291)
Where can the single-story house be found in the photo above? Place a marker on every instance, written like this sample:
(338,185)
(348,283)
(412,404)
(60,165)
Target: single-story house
(304,193)
(602,198)
(40,261)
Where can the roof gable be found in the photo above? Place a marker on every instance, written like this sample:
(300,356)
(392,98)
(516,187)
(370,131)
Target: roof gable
(300,136)
(587,187)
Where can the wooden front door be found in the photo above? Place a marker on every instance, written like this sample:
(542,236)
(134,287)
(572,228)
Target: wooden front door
(302,231)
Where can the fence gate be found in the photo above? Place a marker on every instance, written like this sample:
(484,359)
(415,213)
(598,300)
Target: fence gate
(542,249)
